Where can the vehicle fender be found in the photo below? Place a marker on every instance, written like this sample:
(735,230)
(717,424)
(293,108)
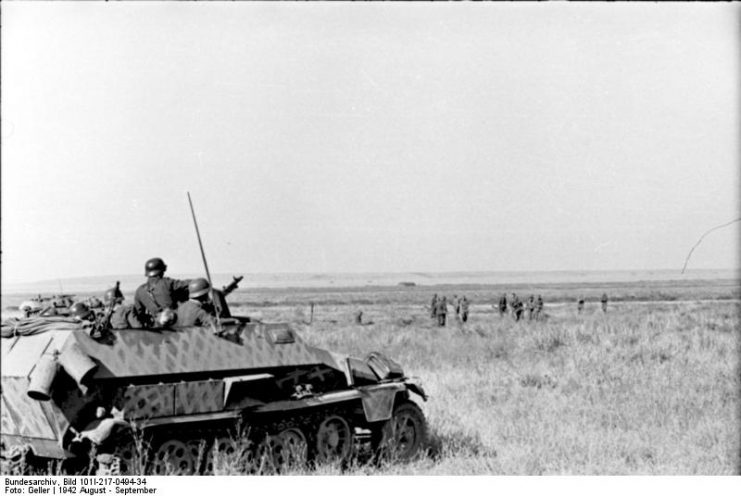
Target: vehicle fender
(414,385)
(378,401)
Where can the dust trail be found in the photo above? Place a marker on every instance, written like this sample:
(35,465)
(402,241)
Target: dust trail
(702,237)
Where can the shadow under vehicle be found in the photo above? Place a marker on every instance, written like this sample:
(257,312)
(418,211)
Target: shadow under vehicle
(180,400)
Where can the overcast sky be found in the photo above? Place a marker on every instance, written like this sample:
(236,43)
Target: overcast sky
(367,137)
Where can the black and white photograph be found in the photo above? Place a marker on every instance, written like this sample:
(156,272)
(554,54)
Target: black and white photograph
(368,239)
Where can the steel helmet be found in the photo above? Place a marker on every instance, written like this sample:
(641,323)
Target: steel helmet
(198,287)
(154,267)
(80,310)
(113,293)
(166,317)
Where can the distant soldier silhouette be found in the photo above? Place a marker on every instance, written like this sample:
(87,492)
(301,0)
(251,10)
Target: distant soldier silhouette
(464,309)
(442,311)
(539,308)
(530,307)
(457,306)
(159,292)
(604,302)
(359,317)
(503,305)
(433,306)
(580,304)
(517,307)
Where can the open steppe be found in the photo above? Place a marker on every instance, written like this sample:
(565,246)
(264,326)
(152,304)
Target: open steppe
(650,387)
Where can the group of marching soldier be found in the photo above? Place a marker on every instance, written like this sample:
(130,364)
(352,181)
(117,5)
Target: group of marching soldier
(517,308)
(439,308)
(158,303)
(532,308)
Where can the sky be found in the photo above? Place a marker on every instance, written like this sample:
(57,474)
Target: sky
(372,137)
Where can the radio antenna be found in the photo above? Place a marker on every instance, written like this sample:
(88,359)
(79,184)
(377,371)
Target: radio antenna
(205,263)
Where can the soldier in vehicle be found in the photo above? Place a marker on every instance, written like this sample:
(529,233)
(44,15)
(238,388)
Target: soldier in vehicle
(121,316)
(81,312)
(158,292)
(604,302)
(194,311)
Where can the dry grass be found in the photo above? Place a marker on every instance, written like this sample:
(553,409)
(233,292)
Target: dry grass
(648,388)
(644,389)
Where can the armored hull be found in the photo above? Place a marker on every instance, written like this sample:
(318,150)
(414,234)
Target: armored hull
(184,400)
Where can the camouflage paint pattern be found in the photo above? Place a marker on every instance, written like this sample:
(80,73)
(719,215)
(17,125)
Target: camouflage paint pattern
(199,397)
(193,349)
(22,415)
(148,401)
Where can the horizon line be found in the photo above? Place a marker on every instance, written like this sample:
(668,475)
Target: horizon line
(357,273)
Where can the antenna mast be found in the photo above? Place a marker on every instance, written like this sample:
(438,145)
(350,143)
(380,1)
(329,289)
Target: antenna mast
(205,263)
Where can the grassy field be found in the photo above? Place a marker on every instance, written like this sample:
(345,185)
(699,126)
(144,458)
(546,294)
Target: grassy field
(650,387)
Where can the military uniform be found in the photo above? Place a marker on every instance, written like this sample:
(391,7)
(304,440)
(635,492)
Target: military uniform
(538,307)
(157,294)
(192,313)
(517,307)
(604,302)
(502,305)
(442,311)
(464,309)
(124,317)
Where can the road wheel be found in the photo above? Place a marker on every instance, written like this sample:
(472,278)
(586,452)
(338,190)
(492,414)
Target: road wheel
(220,454)
(290,449)
(403,435)
(259,456)
(334,440)
(125,450)
(174,457)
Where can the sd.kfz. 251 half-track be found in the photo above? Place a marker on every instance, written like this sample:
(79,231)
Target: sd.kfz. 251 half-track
(176,401)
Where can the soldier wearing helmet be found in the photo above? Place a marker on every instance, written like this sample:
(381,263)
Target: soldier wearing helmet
(80,311)
(159,292)
(122,316)
(194,312)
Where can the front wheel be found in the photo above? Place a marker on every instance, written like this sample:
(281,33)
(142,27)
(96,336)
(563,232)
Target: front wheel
(403,435)
(334,440)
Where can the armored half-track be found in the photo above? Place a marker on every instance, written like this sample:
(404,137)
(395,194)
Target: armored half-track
(184,400)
